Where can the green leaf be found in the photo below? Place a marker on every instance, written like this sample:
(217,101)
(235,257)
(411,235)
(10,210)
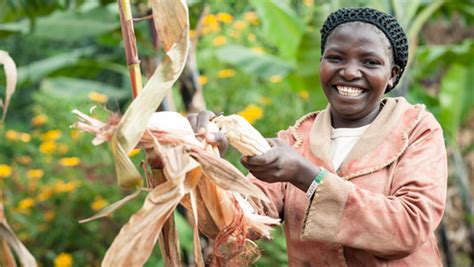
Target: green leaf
(74,25)
(37,70)
(450,98)
(308,54)
(251,62)
(79,89)
(281,26)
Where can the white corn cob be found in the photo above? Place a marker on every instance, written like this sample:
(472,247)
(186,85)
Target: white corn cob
(242,135)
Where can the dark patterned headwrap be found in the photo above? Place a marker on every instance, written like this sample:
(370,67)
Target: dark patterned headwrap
(385,22)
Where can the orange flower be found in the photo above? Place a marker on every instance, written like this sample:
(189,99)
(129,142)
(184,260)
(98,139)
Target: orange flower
(225,17)
(219,40)
(276,79)
(252,113)
(35,173)
(63,260)
(98,97)
(251,17)
(98,203)
(202,79)
(304,95)
(51,135)
(25,138)
(70,162)
(11,135)
(5,171)
(226,73)
(239,25)
(39,120)
(47,147)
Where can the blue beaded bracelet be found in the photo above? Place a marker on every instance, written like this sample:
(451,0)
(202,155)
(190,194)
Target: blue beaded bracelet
(317,180)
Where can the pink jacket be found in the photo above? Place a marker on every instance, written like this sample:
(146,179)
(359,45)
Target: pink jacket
(382,206)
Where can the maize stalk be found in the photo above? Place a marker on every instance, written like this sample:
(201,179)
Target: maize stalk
(211,188)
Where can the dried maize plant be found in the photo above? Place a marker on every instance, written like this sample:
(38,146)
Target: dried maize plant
(190,173)
(8,239)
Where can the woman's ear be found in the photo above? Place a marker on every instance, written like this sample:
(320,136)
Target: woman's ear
(393,75)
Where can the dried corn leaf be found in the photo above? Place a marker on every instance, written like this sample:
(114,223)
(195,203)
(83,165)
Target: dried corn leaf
(198,260)
(6,256)
(169,243)
(173,28)
(135,242)
(6,233)
(111,208)
(11,77)
(225,175)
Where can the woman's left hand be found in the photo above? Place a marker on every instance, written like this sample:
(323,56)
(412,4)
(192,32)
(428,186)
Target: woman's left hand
(281,164)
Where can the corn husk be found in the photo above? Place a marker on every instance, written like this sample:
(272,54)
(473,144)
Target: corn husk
(11,79)
(8,237)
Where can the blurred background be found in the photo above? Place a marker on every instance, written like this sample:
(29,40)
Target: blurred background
(258,58)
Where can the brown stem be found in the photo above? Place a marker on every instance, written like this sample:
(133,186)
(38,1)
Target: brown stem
(130,44)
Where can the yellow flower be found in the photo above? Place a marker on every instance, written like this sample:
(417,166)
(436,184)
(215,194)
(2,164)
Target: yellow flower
(98,203)
(225,17)
(11,135)
(235,34)
(304,95)
(265,100)
(202,79)
(51,135)
(35,173)
(25,205)
(39,120)
(5,171)
(63,149)
(252,113)
(210,24)
(75,134)
(226,73)
(308,2)
(62,187)
(49,215)
(47,147)
(239,25)
(251,37)
(63,260)
(25,160)
(134,152)
(257,50)
(251,17)
(25,138)
(70,162)
(98,97)
(45,193)
(219,40)
(276,79)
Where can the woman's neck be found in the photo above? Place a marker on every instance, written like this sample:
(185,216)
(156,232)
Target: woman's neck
(338,122)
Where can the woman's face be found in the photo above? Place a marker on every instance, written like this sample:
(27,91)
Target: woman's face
(355,69)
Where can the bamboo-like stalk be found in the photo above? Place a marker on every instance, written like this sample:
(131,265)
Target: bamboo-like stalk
(129,41)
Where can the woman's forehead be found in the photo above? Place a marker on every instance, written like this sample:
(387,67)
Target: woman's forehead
(358,33)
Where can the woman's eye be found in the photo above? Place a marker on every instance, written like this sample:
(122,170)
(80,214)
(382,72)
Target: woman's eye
(371,62)
(333,58)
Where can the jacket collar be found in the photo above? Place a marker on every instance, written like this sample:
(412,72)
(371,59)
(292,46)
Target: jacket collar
(381,144)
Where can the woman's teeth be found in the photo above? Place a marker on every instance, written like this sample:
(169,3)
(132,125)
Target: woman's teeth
(349,91)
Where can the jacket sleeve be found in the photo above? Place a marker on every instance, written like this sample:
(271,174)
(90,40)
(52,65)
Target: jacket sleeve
(390,226)
(274,191)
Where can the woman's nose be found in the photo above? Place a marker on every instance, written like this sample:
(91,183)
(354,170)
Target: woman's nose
(350,71)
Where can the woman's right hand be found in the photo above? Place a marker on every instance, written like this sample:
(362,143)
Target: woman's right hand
(199,122)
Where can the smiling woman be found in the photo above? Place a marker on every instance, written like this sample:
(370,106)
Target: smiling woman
(362,182)
(356,69)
